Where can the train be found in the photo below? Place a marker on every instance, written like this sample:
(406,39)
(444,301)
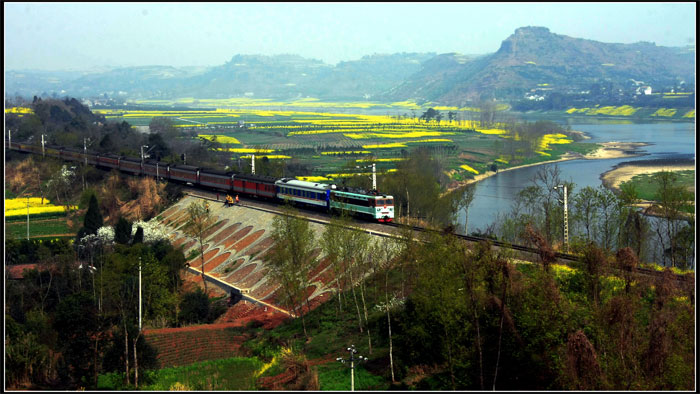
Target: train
(371,205)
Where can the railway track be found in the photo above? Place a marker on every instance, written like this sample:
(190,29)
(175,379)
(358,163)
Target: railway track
(381,230)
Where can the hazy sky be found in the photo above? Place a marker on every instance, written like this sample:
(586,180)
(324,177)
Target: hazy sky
(78,36)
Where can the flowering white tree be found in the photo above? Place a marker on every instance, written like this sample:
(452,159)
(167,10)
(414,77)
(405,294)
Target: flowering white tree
(152,231)
(62,181)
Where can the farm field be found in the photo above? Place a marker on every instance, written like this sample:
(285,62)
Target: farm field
(47,228)
(45,219)
(236,373)
(332,142)
(635,113)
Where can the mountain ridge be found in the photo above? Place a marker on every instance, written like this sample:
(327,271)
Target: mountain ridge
(531,60)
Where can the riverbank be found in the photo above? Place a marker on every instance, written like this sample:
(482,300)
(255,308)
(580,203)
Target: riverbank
(623,172)
(608,150)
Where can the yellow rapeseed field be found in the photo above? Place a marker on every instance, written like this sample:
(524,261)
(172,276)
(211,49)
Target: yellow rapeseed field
(246,150)
(313,178)
(347,152)
(19,110)
(403,144)
(549,139)
(665,112)
(380,160)
(224,139)
(18,207)
(412,134)
(268,156)
(466,167)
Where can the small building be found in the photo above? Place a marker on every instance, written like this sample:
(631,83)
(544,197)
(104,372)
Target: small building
(16,272)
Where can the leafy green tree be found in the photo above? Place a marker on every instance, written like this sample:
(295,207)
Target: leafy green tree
(93,217)
(672,201)
(429,115)
(291,260)
(138,236)
(122,231)
(194,307)
(76,322)
(158,148)
(585,212)
(199,219)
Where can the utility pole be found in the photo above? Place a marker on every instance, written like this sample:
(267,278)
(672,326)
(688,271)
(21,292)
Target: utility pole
(139,293)
(252,163)
(85,140)
(408,205)
(142,156)
(27,217)
(374,176)
(566,218)
(352,360)
(43,154)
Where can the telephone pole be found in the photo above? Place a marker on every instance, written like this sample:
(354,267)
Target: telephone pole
(140,293)
(566,217)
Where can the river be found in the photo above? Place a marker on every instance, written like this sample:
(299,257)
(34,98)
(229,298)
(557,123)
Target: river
(495,194)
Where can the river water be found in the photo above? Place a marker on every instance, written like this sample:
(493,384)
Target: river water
(495,194)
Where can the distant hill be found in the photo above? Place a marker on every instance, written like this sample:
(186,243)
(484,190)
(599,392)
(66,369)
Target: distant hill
(534,58)
(532,64)
(276,77)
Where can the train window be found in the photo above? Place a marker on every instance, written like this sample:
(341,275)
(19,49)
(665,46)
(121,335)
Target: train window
(389,201)
(380,202)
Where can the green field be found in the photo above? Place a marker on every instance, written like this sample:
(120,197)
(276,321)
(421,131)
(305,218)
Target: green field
(231,374)
(38,228)
(647,187)
(330,142)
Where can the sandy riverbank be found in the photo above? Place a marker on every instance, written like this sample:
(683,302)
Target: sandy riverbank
(608,150)
(626,171)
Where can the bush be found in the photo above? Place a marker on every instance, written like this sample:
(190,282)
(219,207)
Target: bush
(194,307)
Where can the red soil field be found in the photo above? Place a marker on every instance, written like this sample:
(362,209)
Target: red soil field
(241,273)
(320,267)
(178,241)
(223,234)
(237,236)
(264,290)
(196,249)
(188,245)
(216,261)
(245,242)
(175,218)
(326,277)
(253,278)
(260,246)
(211,230)
(169,211)
(320,299)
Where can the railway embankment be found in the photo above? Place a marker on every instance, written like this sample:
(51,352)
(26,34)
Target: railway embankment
(234,251)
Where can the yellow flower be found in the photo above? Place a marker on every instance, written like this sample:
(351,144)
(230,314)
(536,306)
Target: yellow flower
(466,167)
(224,139)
